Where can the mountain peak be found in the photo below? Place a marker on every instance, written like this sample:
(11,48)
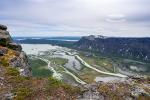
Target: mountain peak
(93,37)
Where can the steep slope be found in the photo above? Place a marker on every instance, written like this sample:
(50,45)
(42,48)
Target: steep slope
(12,54)
(16,81)
(14,66)
(134,48)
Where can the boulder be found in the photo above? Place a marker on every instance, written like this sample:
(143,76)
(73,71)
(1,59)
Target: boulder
(4,40)
(15,46)
(3,27)
(5,37)
(3,32)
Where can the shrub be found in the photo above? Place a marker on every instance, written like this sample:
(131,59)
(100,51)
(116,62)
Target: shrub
(4,62)
(54,83)
(71,89)
(22,93)
(12,72)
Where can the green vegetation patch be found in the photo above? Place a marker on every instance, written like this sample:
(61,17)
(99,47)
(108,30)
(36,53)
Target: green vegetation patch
(4,62)
(54,84)
(59,61)
(12,72)
(101,63)
(39,68)
(22,93)
(89,75)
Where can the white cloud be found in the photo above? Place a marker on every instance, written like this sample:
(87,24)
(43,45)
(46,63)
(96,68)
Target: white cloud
(116,18)
(76,17)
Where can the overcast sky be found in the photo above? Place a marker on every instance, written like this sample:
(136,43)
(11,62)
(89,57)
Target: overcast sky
(76,17)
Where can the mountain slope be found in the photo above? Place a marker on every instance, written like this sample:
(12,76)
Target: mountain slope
(134,48)
(16,81)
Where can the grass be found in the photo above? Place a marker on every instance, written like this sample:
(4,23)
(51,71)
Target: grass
(22,93)
(114,94)
(68,78)
(59,69)
(58,64)
(127,63)
(101,63)
(32,88)
(39,68)
(59,61)
(54,84)
(89,75)
(26,88)
(112,64)
(86,74)
(12,72)
(4,60)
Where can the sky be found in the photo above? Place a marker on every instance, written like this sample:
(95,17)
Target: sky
(121,18)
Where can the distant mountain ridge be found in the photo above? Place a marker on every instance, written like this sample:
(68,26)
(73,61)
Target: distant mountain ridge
(128,47)
(135,48)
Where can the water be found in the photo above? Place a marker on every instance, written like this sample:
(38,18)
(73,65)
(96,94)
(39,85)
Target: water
(64,38)
(48,50)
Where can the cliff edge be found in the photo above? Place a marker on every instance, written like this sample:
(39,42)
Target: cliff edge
(11,54)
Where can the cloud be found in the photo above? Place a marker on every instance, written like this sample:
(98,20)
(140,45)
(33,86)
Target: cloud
(116,18)
(76,17)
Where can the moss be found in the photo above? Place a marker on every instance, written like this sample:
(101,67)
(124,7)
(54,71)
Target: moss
(54,83)
(16,79)
(22,93)
(59,61)
(13,76)
(4,62)
(12,72)
(71,90)
(39,68)
(143,97)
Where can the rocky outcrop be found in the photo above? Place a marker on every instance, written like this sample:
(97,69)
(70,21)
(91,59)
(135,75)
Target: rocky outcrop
(133,48)
(21,62)
(3,27)
(13,52)
(15,46)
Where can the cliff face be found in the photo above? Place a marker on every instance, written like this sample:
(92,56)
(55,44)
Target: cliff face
(136,48)
(11,54)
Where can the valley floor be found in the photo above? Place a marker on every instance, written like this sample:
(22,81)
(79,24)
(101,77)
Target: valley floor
(96,76)
(74,67)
